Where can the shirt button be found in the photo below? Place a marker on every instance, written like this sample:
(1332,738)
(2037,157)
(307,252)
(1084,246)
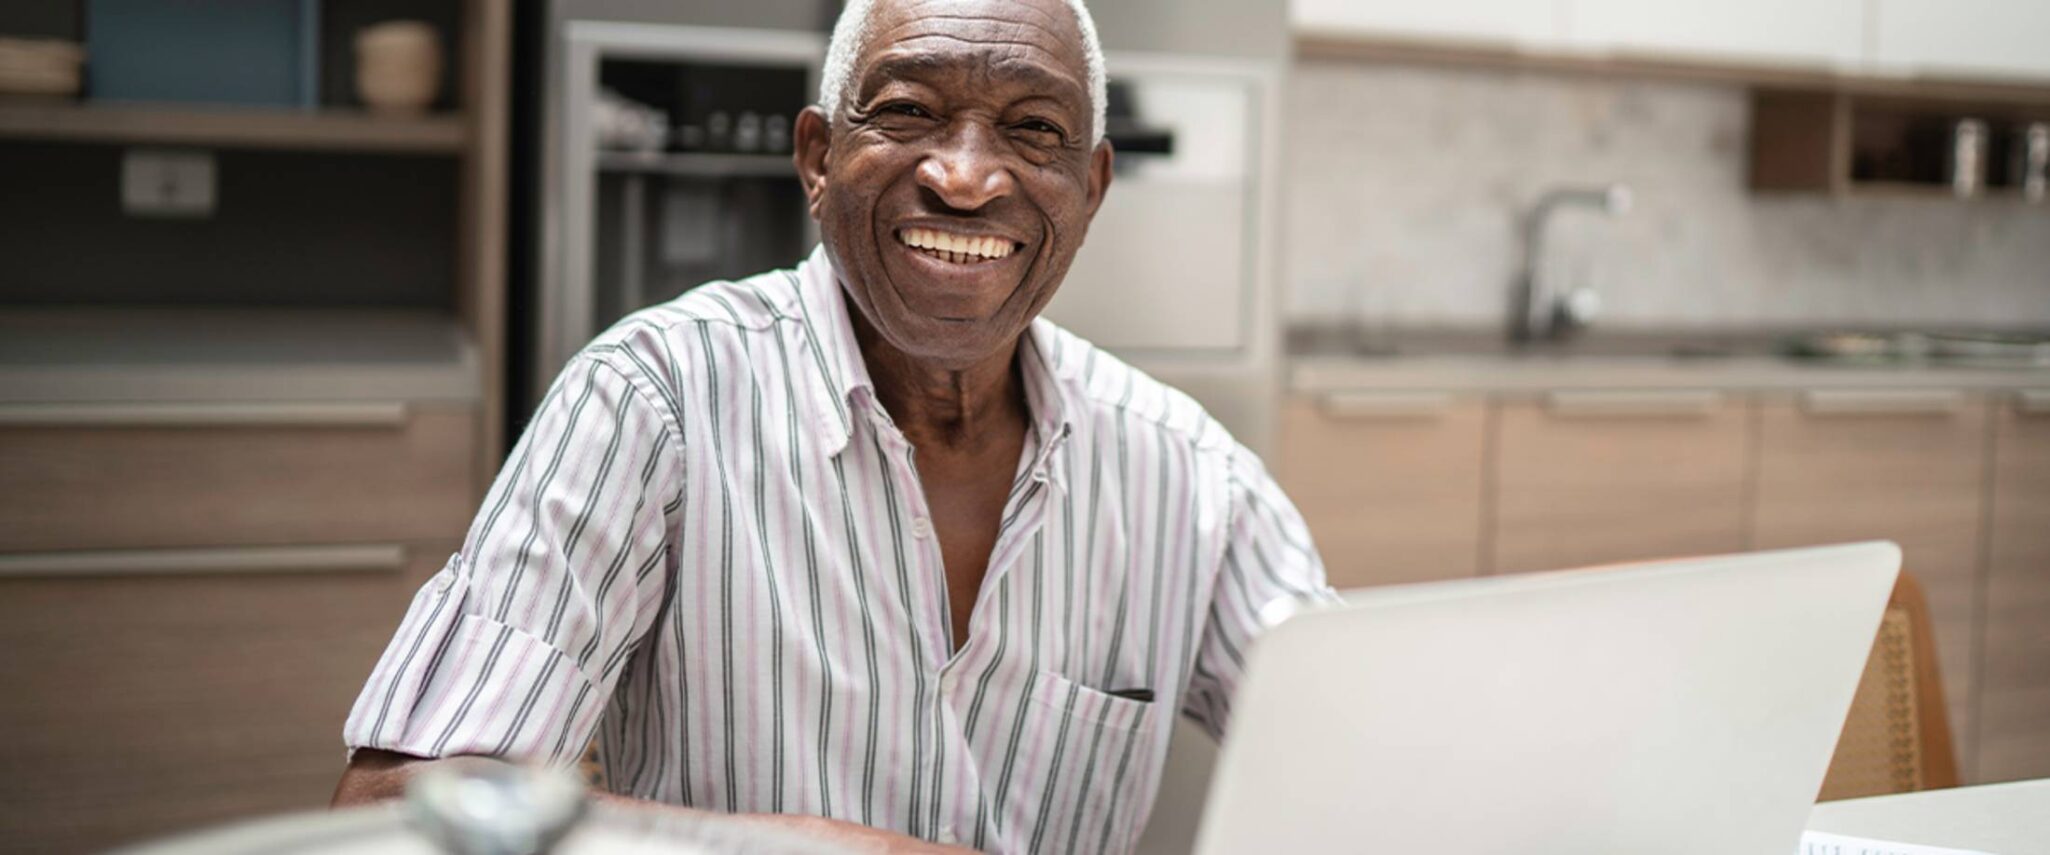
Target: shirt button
(921,528)
(442,581)
(947,835)
(1039,475)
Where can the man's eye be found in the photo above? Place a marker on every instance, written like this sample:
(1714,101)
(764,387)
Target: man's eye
(905,108)
(1042,126)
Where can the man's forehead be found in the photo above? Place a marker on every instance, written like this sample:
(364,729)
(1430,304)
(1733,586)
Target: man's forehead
(922,63)
(1035,43)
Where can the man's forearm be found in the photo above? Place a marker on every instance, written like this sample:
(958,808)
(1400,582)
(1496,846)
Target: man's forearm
(374,776)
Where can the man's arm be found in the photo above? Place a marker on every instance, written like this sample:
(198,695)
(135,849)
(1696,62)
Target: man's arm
(1268,558)
(513,648)
(374,775)
(561,576)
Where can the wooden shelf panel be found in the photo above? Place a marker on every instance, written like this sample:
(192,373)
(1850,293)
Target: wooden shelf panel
(323,130)
(1929,190)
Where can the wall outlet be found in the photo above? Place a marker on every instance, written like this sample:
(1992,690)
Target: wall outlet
(167,183)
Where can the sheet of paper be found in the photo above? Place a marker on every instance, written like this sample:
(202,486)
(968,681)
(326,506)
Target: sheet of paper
(1819,843)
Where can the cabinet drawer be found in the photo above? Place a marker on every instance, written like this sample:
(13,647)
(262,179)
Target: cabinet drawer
(1902,466)
(2014,719)
(1599,477)
(144,705)
(141,476)
(1390,484)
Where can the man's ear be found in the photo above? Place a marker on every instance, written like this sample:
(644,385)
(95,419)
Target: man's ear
(1100,162)
(813,141)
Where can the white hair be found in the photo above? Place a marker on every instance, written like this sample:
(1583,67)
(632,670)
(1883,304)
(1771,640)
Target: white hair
(852,31)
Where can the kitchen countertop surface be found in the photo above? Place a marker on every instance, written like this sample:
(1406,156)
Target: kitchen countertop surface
(1751,361)
(233,356)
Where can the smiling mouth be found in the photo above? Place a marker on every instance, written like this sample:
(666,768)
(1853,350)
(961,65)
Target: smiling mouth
(957,248)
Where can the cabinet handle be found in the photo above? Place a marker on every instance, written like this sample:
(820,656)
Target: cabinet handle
(294,560)
(2033,402)
(1387,405)
(1883,402)
(343,415)
(1647,404)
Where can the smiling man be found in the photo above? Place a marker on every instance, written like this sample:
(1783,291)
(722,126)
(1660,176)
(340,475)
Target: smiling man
(865,547)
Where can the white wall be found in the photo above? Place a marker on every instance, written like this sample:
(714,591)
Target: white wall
(1403,185)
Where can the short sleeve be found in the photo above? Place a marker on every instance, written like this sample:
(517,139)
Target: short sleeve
(1268,563)
(512,649)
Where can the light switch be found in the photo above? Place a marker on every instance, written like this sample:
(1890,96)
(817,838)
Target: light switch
(175,183)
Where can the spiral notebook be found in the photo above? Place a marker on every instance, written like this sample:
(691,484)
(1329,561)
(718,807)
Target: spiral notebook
(1820,843)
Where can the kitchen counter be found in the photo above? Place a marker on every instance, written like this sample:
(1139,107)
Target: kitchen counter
(228,355)
(1484,362)
(1514,373)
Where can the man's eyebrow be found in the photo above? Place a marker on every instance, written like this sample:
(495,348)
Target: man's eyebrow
(904,65)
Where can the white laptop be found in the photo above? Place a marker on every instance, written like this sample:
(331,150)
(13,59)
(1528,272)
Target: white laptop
(1686,707)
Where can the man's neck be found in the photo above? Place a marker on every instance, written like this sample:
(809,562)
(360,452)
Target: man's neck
(962,409)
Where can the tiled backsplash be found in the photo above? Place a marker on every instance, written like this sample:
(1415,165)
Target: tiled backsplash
(1406,186)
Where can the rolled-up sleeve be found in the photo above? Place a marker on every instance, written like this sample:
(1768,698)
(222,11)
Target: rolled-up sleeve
(1269,564)
(513,648)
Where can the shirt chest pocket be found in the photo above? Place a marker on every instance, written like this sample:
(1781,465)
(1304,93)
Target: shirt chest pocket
(1090,758)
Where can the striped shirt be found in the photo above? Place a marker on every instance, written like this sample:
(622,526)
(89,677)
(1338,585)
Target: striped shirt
(710,549)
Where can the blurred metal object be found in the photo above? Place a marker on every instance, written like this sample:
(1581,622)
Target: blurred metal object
(619,123)
(390,829)
(493,808)
(1536,313)
(1577,309)
(1968,157)
(1956,349)
(747,132)
(2033,156)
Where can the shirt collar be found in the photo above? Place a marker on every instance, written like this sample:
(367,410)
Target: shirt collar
(848,385)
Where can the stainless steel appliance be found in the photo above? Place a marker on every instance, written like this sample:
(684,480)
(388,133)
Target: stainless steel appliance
(1177,274)
(630,220)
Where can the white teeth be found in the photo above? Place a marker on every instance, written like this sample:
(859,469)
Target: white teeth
(957,248)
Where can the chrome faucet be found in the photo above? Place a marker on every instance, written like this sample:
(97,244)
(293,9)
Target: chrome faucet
(1536,314)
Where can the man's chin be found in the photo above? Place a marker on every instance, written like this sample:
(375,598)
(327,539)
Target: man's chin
(948,342)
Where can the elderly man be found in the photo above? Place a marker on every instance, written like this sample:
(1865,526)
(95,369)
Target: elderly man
(864,547)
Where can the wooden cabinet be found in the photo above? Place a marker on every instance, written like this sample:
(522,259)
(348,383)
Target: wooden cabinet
(1953,38)
(222,478)
(1408,486)
(138,706)
(192,594)
(1598,477)
(1995,41)
(150,476)
(1819,34)
(1906,466)
(1390,483)
(2014,709)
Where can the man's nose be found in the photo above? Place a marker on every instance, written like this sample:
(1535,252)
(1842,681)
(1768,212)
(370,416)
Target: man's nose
(966,170)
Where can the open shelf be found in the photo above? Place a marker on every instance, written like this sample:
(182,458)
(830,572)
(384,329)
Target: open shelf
(1870,146)
(701,165)
(229,127)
